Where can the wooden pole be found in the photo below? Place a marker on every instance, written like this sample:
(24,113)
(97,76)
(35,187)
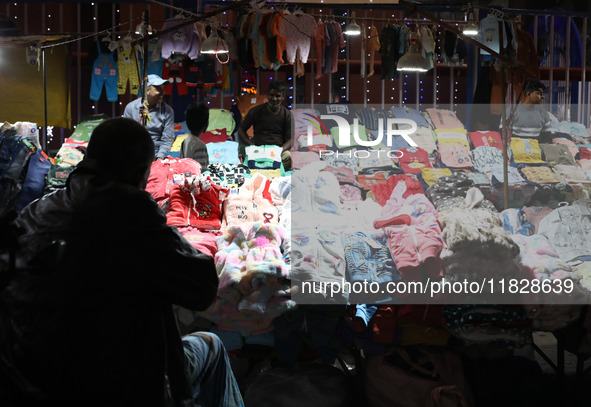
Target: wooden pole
(146,40)
(505,136)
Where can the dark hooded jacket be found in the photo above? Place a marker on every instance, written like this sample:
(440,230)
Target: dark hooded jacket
(100,270)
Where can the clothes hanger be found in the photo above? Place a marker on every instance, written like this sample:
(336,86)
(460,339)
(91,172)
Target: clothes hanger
(497,13)
(127,39)
(279,7)
(107,37)
(257,4)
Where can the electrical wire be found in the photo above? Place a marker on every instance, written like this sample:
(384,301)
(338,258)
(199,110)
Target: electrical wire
(108,30)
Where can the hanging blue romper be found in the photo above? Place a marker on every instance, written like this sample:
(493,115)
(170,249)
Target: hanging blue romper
(155,61)
(104,71)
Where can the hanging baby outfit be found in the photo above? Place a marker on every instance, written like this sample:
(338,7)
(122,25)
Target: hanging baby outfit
(319,44)
(183,40)
(104,71)
(155,57)
(128,66)
(299,29)
(175,69)
(391,49)
(373,45)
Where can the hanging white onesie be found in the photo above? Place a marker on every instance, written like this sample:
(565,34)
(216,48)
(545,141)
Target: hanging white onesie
(299,30)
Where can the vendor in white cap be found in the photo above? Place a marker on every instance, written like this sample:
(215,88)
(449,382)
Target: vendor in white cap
(159,116)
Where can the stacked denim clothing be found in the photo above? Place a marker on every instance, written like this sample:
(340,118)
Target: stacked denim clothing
(368,259)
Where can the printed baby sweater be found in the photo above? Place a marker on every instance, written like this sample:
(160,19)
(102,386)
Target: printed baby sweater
(165,174)
(253,203)
(414,234)
(567,228)
(254,285)
(382,192)
(196,201)
(183,40)
(414,159)
(486,139)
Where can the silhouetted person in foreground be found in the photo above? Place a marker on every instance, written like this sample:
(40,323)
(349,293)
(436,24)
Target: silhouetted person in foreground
(87,316)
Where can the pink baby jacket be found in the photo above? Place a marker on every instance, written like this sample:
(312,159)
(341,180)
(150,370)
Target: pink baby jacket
(162,176)
(200,205)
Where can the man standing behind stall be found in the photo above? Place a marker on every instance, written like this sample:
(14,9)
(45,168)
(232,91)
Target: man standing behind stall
(530,118)
(160,116)
(271,122)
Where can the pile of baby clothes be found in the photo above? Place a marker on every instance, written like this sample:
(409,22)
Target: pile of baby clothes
(451,192)
(280,190)
(317,220)
(477,247)
(189,199)
(254,286)
(252,203)
(414,235)
(228,175)
(550,308)
(567,228)
(488,330)
(165,174)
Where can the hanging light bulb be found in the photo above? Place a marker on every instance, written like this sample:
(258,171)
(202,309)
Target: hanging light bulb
(144,27)
(471,28)
(214,44)
(352,28)
(412,60)
(142,30)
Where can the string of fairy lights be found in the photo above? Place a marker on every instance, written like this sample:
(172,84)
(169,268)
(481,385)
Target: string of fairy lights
(50,24)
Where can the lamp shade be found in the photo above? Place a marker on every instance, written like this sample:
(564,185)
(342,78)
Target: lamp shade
(412,60)
(352,28)
(214,44)
(471,29)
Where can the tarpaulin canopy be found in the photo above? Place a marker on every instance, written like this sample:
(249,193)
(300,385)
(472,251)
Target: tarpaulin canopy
(27,40)
(22,86)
